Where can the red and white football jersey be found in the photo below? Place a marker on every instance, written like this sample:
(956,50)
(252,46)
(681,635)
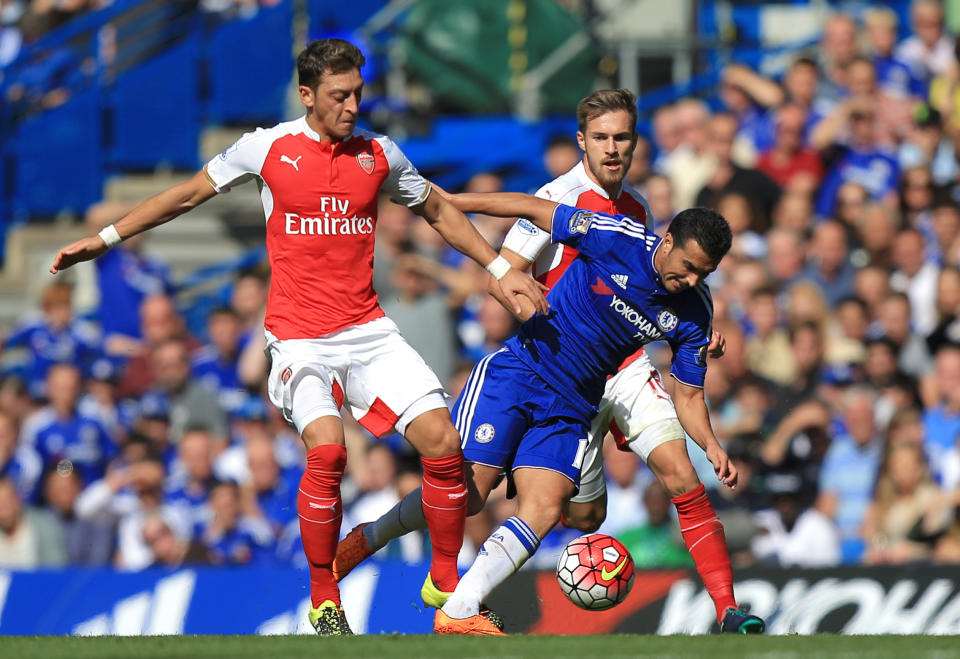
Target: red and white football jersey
(575,188)
(320,204)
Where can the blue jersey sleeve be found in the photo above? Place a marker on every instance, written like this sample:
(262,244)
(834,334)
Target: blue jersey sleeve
(690,345)
(827,197)
(592,233)
(20,335)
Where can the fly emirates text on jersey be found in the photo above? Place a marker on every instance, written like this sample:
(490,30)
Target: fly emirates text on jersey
(338,225)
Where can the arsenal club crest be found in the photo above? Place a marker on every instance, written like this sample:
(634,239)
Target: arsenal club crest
(366,162)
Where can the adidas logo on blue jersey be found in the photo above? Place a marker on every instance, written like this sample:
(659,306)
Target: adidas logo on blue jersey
(620,280)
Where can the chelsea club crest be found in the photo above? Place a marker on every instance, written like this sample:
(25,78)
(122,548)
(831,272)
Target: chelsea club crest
(484,433)
(667,319)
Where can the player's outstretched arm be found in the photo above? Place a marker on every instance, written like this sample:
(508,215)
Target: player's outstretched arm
(460,233)
(695,419)
(153,212)
(507,204)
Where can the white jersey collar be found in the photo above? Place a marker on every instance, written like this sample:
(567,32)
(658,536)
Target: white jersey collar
(314,135)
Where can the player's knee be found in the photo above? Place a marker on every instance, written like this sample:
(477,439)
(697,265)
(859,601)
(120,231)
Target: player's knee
(444,440)
(679,479)
(585,518)
(448,440)
(322,431)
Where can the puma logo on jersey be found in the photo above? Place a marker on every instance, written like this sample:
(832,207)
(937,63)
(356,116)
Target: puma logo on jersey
(295,163)
(321,506)
(457,495)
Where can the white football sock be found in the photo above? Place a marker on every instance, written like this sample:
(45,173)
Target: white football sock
(503,553)
(403,518)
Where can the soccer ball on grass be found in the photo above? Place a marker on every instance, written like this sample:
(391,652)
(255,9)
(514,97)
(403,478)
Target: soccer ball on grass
(595,571)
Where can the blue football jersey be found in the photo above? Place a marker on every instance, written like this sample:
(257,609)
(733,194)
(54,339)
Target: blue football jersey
(608,303)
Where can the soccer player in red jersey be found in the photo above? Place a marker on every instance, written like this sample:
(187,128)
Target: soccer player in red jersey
(330,344)
(635,407)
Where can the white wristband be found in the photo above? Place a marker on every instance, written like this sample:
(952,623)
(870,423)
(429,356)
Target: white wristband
(499,267)
(110,236)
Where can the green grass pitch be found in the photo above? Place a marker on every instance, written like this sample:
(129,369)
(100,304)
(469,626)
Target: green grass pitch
(459,647)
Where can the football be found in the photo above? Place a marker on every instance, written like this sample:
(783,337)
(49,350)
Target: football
(595,571)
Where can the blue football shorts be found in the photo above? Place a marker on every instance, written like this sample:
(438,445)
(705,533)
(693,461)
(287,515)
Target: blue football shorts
(508,417)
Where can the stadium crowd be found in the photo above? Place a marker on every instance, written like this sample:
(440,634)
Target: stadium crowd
(125,440)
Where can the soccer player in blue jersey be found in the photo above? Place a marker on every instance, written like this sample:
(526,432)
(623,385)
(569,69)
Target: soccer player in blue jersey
(528,406)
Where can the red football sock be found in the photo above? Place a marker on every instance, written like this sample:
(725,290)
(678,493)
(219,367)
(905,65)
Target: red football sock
(703,535)
(445,508)
(320,509)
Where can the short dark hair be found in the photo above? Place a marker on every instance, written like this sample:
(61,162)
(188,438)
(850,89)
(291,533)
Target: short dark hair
(766,290)
(707,227)
(327,56)
(804,326)
(228,483)
(603,101)
(562,140)
(853,299)
(223,311)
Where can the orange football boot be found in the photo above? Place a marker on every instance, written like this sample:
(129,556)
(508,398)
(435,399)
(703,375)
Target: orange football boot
(351,551)
(478,625)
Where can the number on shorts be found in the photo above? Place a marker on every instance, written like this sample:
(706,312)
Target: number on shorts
(581,452)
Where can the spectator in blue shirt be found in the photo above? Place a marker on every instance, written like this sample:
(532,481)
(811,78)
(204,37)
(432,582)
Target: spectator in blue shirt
(274,489)
(189,484)
(231,537)
(64,437)
(53,337)
(856,157)
(941,418)
(100,400)
(849,471)
(894,76)
(216,364)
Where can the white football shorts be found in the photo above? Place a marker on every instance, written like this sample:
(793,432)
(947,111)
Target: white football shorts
(636,401)
(370,368)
